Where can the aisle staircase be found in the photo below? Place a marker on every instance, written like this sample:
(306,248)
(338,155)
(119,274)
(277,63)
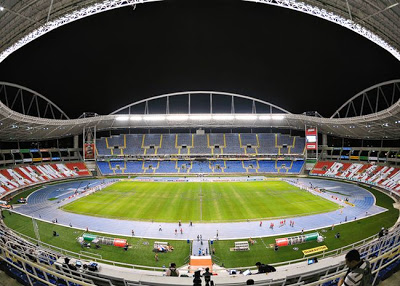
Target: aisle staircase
(200,261)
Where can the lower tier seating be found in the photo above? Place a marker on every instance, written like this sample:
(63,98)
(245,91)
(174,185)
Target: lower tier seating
(199,166)
(12,179)
(387,177)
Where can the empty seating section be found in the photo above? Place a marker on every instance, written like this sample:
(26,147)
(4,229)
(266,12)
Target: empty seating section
(101,147)
(297,166)
(104,168)
(183,166)
(118,167)
(168,145)
(249,142)
(200,143)
(234,167)
(218,166)
(134,144)
(116,141)
(386,177)
(167,167)
(283,166)
(267,144)
(267,166)
(151,143)
(195,167)
(183,143)
(216,142)
(23,176)
(285,143)
(200,167)
(299,145)
(133,167)
(232,144)
(150,167)
(251,166)
(195,144)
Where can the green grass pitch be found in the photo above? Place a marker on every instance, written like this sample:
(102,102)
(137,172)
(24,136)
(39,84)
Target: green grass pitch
(200,202)
(142,254)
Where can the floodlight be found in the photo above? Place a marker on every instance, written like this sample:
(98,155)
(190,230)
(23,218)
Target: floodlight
(178,117)
(246,117)
(154,117)
(265,117)
(223,117)
(122,118)
(1,8)
(277,117)
(136,118)
(200,117)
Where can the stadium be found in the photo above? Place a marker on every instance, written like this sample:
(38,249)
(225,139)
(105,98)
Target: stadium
(202,178)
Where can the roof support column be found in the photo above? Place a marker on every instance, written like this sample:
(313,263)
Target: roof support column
(324,139)
(76,144)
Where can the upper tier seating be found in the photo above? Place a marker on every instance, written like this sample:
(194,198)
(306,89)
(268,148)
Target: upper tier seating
(23,176)
(195,144)
(249,143)
(383,176)
(134,144)
(184,142)
(216,143)
(200,145)
(267,144)
(232,144)
(151,143)
(101,147)
(168,145)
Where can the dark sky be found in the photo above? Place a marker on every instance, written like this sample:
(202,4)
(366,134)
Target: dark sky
(296,61)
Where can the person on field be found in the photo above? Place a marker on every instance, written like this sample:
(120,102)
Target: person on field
(172,271)
(359,272)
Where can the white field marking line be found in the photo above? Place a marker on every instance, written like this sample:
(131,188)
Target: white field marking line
(263,242)
(201,204)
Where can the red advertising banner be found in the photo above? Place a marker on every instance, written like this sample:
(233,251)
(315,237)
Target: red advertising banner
(89,151)
(311,139)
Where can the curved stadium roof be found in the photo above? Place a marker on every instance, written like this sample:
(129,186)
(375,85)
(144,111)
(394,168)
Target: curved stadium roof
(379,21)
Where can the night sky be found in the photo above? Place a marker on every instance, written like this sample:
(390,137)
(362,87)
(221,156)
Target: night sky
(296,61)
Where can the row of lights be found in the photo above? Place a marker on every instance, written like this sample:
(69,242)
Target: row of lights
(199,117)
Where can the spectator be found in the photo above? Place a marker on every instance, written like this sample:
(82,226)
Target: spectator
(172,271)
(250,282)
(207,276)
(381,232)
(359,272)
(264,268)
